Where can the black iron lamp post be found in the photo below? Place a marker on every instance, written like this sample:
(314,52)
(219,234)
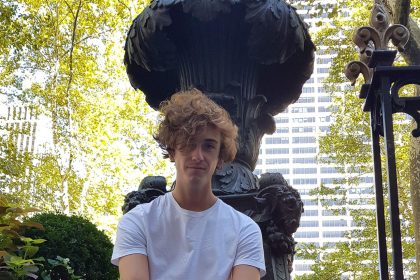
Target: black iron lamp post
(252,57)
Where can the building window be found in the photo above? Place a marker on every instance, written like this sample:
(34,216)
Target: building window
(361,201)
(302,267)
(307,202)
(361,191)
(303,140)
(304,191)
(308,150)
(277,140)
(324,129)
(334,223)
(325,119)
(328,180)
(302,109)
(366,179)
(282,120)
(275,151)
(305,99)
(324,109)
(304,170)
(305,181)
(328,170)
(322,70)
(309,223)
(303,129)
(321,90)
(308,89)
(308,160)
(333,234)
(333,202)
(323,60)
(282,130)
(277,161)
(278,170)
(324,99)
(310,213)
(303,120)
(306,234)
(336,212)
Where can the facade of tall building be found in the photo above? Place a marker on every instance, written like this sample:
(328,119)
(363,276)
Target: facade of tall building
(293,151)
(18,127)
(20,123)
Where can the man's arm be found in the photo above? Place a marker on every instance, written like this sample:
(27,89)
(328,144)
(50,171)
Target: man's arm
(134,267)
(245,272)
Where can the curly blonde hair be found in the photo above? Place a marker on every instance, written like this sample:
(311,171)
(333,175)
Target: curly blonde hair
(186,114)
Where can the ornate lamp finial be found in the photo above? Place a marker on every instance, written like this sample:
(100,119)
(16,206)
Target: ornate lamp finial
(374,39)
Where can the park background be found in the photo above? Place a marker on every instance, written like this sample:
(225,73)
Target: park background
(75,137)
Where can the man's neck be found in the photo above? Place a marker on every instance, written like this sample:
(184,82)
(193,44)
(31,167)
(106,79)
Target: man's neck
(194,201)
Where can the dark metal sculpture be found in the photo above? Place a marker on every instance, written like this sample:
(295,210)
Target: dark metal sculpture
(252,57)
(382,84)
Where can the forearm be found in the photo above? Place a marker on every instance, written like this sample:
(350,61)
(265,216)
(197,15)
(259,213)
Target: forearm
(134,267)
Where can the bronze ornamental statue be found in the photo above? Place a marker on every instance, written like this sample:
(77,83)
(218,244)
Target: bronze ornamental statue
(252,58)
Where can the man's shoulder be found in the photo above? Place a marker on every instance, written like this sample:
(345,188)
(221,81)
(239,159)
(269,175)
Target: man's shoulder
(244,219)
(148,208)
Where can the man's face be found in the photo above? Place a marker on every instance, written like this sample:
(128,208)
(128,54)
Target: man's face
(196,162)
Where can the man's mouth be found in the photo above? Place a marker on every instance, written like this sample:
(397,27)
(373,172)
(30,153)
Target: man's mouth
(197,167)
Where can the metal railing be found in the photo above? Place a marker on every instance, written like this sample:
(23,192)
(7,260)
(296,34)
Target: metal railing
(380,91)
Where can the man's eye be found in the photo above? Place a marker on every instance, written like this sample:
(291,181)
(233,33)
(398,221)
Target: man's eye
(210,146)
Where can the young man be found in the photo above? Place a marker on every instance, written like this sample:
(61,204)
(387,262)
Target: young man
(190,234)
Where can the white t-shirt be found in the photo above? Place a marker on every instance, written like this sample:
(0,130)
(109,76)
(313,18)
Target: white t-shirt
(188,245)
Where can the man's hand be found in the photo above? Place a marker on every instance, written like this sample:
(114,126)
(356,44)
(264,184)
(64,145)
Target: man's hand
(245,272)
(134,267)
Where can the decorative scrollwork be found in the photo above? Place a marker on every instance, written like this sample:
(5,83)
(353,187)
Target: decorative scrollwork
(366,34)
(353,70)
(399,35)
(374,39)
(234,178)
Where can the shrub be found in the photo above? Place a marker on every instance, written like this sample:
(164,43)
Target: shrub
(76,238)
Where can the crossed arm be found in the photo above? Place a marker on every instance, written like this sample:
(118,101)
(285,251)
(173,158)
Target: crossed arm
(136,267)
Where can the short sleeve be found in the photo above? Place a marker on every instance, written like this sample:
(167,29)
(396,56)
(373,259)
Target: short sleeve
(250,249)
(130,237)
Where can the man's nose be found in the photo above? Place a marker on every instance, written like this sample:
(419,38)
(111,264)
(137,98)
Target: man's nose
(197,153)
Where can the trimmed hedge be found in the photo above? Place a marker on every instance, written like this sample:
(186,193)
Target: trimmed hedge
(76,238)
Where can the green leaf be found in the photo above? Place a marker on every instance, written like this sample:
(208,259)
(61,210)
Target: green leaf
(30,251)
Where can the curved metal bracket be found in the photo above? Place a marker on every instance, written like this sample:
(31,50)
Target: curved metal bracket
(408,105)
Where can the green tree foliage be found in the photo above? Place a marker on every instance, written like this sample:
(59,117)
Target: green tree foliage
(64,59)
(347,145)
